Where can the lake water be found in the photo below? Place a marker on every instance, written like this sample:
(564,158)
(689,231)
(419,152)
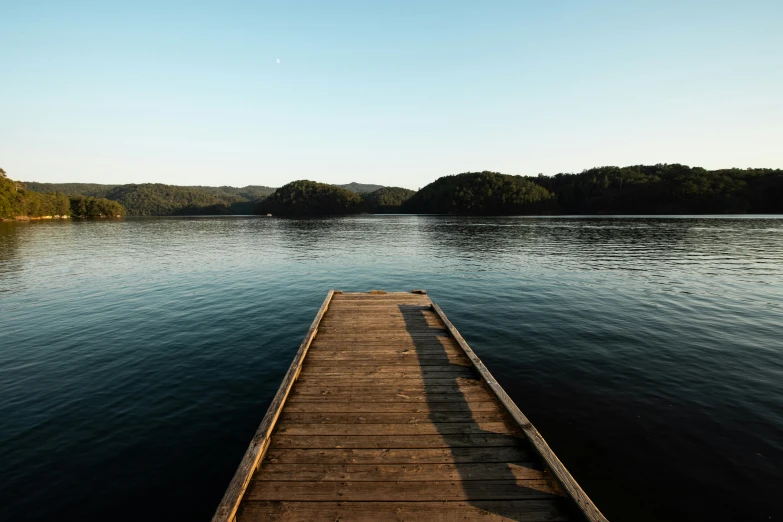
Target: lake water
(137,357)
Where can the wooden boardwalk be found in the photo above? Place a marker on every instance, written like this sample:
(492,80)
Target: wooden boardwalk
(387,414)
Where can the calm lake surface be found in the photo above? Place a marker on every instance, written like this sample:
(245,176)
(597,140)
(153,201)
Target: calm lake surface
(137,357)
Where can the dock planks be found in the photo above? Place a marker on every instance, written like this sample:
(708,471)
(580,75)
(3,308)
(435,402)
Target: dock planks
(387,414)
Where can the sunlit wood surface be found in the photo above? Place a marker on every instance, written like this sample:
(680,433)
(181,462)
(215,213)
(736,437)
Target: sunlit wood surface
(388,418)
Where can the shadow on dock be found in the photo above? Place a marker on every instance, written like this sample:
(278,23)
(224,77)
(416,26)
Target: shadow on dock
(507,483)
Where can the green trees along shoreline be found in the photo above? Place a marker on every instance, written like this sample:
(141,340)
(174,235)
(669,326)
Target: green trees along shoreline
(666,189)
(310,198)
(16,202)
(480,193)
(90,207)
(633,190)
(640,189)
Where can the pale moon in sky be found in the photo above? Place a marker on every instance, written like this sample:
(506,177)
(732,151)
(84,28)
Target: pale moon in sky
(278,60)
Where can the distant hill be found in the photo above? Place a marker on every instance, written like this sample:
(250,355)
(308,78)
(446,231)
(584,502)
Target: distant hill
(635,189)
(665,189)
(309,198)
(95,190)
(360,188)
(18,202)
(157,199)
(480,193)
(387,199)
(249,192)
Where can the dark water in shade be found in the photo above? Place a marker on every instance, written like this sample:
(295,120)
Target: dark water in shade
(137,357)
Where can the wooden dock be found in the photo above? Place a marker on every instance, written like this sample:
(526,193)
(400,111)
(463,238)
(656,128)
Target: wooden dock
(387,414)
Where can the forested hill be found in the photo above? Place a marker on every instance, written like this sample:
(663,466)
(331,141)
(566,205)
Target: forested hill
(16,202)
(360,188)
(386,200)
(156,199)
(481,193)
(310,198)
(95,190)
(637,189)
(665,189)
(100,190)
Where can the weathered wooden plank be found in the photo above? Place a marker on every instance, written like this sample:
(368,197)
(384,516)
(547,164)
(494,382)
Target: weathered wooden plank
(444,357)
(437,346)
(404,351)
(472,387)
(432,321)
(386,313)
(258,445)
(350,313)
(515,453)
(409,381)
(382,325)
(572,488)
(355,310)
(382,329)
(393,343)
(397,491)
(404,375)
(389,364)
(384,400)
(395,297)
(341,293)
(454,383)
(389,373)
(387,344)
(399,338)
(391,338)
(373,294)
(351,351)
(373,332)
(389,301)
(357,406)
(421,307)
(457,511)
(394,441)
(387,418)
(452,428)
(380,334)
(399,472)
(428,383)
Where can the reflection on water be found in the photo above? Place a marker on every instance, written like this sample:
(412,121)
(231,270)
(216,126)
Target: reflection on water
(10,265)
(138,356)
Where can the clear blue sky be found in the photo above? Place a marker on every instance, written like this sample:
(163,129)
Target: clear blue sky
(191,92)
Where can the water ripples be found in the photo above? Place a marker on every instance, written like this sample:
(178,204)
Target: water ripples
(138,356)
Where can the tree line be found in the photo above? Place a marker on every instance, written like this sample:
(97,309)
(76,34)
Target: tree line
(158,199)
(310,198)
(638,189)
(18,202)
(665,189)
